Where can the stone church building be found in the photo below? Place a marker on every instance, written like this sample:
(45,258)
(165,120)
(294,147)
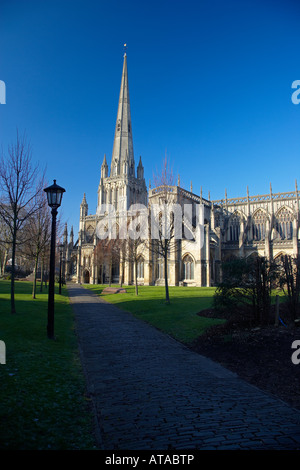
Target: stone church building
(265,225)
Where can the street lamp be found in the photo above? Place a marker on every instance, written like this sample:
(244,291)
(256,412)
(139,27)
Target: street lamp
(54,197)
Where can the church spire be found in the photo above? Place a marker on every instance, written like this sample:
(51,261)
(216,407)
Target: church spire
(140,170)
(123,143)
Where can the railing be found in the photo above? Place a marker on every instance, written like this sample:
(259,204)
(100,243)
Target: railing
(178,190)
(261,197)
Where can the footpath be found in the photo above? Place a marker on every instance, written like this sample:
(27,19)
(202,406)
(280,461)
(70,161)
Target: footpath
(152,393)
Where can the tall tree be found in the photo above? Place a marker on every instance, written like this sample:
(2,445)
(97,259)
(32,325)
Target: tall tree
(19,185)
(107,254)
(4,246)
(163,222)
(132,246)
(99,260)
(37,234)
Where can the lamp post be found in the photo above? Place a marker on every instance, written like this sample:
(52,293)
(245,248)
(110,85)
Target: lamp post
(54,197)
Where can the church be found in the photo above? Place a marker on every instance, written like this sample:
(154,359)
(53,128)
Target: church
(265,225)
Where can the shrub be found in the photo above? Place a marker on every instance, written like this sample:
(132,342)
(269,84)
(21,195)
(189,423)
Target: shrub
(247,283)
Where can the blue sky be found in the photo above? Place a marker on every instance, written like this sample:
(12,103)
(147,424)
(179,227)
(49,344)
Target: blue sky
(209,81)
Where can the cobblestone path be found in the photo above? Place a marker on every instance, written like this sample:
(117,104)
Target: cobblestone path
(151,392)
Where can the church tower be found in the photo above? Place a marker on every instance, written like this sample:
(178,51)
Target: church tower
(122,187)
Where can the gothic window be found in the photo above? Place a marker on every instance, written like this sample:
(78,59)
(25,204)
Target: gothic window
(74,266)
(115,270)
(161,269)
(140,268)
(129,127)
(234,227)
(188,267)
(119,125)
(284,224)
(89,234)
(217,220)
(258,226)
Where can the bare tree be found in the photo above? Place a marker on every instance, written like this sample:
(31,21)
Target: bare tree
(290,282)
(4,246)
(37,232)
(134,242)
(19,186)
(99,257)
(107,254)
(164,222)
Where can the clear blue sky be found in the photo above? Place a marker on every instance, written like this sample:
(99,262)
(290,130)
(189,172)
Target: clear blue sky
(209,81)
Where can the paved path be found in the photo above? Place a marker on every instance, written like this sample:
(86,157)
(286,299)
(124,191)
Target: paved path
(151,392)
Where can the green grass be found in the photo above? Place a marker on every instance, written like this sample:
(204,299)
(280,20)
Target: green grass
(179,319)
(42,402)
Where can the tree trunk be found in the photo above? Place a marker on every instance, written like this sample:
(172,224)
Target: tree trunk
(42,274)
(166,277)
(5,258)
(13,260)
(122,274)
(110,273)
(34,279)
(135,277)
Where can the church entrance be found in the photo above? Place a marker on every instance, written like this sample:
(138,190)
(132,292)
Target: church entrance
(86,277)
(115,274)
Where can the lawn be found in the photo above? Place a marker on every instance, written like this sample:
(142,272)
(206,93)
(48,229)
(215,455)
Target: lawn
(42,401)
(179,319)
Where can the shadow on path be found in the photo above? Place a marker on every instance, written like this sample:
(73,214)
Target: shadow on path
(151,392)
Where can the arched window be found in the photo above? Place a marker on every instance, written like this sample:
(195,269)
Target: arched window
(234,227)
(188,267)
(140,268)
(284,224)
(89,235)
(258,226)
(73,266)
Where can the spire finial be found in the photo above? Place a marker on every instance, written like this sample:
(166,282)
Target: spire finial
(125,49)
(83,199)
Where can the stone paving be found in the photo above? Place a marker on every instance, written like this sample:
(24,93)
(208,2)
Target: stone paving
(151,392)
